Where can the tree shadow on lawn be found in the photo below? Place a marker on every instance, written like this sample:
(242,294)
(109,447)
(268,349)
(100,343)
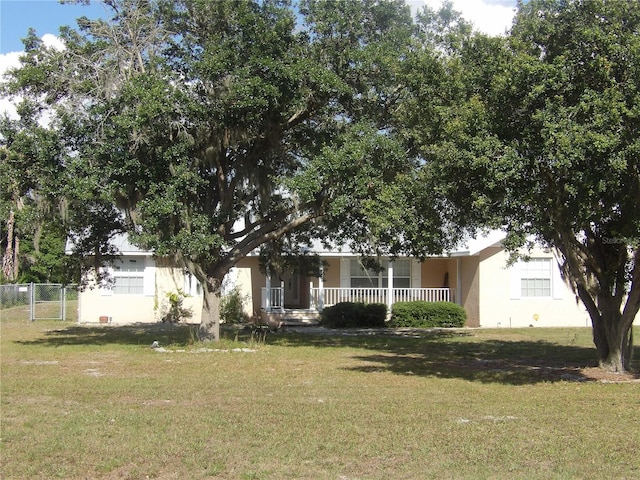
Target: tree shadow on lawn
(430,353)
(138,334)
(450,354)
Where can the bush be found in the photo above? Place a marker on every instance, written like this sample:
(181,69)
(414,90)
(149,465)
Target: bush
(175,312)
(232,307)
(427,315)
(354,315)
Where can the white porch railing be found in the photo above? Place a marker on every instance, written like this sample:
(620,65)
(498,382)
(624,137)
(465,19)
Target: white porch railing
(273,299)
(325,297)
(424,294)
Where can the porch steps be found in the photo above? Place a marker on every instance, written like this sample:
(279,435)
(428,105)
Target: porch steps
(292,318)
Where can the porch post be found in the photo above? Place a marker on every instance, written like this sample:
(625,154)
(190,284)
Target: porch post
(282,297)
(390,285)
(458,283)
(267,287)
(321,289)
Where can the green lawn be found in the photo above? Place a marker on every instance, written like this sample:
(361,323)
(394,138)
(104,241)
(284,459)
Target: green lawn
(98,402)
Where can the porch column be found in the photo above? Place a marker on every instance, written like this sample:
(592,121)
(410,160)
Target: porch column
(267,287)
(458,283)
(390,285)
(321,289)
(282,295)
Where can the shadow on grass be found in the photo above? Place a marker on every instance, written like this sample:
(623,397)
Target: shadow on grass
(166,334)
(429,353)
(457,354)
(143,334)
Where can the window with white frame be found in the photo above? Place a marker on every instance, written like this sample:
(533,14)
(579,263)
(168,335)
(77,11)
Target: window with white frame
(128,276)
(367,278)
(401,273)
(535,278)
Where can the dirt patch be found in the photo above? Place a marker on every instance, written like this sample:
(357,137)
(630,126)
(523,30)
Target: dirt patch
(552,371)
(599,375)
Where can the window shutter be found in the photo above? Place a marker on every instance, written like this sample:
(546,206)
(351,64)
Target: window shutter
(345,272)
(416,274)
(515,272)
(557,284)
(149,278)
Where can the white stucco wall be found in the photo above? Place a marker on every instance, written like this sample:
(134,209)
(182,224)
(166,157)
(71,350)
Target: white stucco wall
(500,307)
(95,302)
(148,307)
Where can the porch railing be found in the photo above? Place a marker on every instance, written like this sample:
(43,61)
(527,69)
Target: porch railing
(330,296)
(273,299)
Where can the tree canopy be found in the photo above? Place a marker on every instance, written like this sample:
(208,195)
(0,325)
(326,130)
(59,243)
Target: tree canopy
(207,130)
(545,145)
(218,127)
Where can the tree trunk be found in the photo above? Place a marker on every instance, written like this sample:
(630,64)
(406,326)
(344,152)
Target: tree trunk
(209,330)
(10,257)
(613,338)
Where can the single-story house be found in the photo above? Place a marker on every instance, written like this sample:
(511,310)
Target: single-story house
(476,276)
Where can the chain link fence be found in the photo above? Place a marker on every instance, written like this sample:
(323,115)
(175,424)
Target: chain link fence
(39,301)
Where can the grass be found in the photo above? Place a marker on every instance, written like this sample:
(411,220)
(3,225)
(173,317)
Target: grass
(98,402)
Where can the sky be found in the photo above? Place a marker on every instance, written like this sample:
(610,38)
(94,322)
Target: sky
(47,16)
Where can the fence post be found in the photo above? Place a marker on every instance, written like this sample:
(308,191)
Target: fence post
(63,306)
(32,302)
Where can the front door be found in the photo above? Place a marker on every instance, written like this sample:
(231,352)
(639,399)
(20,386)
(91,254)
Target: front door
(292,290)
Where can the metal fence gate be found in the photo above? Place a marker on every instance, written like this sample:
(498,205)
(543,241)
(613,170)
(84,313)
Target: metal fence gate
(44,301)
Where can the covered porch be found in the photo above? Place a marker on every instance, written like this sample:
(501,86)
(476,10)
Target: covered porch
(292,298)
(274,303)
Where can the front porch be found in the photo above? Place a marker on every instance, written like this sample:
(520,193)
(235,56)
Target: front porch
(274,309)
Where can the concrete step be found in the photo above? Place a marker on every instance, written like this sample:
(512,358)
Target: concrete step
(291,318)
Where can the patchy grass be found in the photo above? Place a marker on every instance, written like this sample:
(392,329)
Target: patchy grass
(98,402)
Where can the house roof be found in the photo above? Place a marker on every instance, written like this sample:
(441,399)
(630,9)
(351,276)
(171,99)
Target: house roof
(468,248)
(121,242)
(473,246)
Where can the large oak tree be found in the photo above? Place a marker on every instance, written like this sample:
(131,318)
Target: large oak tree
(545,144)
(216,127)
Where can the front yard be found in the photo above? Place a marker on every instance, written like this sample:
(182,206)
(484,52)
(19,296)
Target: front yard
(92,402)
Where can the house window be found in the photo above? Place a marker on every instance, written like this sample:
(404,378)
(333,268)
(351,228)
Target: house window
(365,278)
(361,277)
(401,273)
(535,278)
(128,277)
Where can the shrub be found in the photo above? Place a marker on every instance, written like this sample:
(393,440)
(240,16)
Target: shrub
(427,315)
(175,312)
(354,315)
(232,307)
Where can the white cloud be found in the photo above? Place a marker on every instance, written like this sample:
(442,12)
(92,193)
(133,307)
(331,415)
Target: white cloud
(492,17)
(12,60)
(8,61)
(52,41)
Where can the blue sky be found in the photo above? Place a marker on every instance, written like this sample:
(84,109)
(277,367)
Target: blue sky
(46,16)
